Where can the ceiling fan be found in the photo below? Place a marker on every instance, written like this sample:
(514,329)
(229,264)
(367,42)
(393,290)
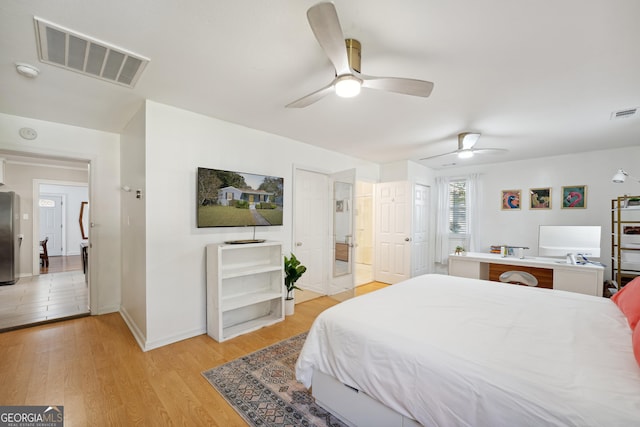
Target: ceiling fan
(466,142)
(345,57)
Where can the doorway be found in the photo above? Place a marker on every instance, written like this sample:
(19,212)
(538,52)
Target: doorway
(60,292)
(52,223)
(364,230)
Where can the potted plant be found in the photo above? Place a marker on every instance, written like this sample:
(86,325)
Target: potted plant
(293,270)
(459,250)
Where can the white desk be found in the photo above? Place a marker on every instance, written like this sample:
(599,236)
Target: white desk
(584,279)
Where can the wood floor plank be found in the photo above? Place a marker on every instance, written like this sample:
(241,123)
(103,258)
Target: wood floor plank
(96,370)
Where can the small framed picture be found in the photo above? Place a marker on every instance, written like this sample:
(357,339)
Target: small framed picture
(511,199)
(574,197)
(339,206)
(540,198)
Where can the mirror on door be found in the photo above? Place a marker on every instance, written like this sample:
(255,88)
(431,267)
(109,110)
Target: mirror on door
(342,228)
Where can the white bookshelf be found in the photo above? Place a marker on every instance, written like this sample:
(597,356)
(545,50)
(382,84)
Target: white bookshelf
(245,288)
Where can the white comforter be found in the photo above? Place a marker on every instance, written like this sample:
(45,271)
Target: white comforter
(449,351)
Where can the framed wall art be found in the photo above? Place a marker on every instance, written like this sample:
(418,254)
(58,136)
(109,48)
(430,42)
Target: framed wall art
(574,197)
(540,198)
(511,199)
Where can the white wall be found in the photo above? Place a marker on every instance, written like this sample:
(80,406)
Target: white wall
(520,227)
(177,143)
(102,150)
(133,224)
(407,170)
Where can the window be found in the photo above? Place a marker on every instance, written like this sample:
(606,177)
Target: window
(458,207)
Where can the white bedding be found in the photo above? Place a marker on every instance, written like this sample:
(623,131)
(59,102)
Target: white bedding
(450,351)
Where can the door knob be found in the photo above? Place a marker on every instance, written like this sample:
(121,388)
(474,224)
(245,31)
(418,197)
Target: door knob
(407,239)
(298,243)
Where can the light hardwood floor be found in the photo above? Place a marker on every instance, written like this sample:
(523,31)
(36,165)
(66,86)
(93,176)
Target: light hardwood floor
(95,369)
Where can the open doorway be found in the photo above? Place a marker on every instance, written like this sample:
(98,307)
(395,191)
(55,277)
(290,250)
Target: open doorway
(364,229)
(62,291)
(62,207)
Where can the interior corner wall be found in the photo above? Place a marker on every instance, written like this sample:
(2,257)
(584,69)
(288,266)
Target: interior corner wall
(133,306)
(406,170)
(102,149)
(520,227)
(177,143)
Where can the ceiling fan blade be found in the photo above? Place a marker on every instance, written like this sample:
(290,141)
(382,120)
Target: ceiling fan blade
(439,155)
(489,150)
(324,22)
(312,97)
(397,84)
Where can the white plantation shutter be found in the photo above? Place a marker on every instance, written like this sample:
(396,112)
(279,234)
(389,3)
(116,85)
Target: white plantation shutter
(458,207)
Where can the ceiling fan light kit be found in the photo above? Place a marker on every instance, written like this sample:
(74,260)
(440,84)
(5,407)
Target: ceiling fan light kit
(466,140)
(345,55)
(347,86)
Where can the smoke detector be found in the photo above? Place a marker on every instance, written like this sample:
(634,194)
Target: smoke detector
(28,133)
(77,52)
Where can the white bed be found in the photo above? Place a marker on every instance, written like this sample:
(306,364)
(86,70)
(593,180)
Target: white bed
(450,351)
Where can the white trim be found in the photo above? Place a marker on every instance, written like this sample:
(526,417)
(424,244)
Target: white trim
(44,165)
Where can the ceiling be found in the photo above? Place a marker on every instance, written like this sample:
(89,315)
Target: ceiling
(536,78)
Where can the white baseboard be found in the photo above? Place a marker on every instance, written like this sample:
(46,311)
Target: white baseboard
(133,327)
(150,345)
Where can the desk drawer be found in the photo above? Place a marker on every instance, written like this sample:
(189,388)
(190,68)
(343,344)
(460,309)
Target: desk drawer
(544,275)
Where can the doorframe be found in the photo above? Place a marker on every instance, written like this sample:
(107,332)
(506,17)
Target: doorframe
(48,155)
(35,216)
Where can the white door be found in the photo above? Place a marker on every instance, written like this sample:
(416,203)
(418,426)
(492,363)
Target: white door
(343,241)
(51,222)
(393,232)
(420,230)
(311,231)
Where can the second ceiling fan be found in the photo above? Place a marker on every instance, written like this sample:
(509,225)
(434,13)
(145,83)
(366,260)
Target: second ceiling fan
(345,57)
(466,142)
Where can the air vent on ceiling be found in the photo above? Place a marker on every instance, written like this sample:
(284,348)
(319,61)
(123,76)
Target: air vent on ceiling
(77,52)
(624,114)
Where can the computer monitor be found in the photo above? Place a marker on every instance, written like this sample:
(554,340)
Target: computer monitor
(560,240)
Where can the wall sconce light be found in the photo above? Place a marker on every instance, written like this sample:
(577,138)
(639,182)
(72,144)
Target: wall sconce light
(621,176)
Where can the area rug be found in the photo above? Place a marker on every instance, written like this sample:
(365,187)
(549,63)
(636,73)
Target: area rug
(262,388)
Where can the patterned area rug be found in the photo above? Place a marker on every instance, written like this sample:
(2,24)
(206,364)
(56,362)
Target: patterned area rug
(262,388)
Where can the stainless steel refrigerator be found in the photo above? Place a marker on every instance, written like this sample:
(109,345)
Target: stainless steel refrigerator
(10,238)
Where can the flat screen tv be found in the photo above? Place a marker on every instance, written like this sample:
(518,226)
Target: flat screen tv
(238,199)
(560,240)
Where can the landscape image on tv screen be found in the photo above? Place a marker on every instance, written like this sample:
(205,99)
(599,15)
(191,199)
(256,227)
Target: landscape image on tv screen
(238,199)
